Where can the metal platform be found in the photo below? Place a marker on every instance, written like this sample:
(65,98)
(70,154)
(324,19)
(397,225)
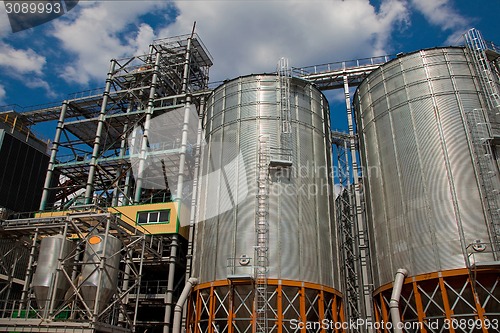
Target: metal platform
(37,325)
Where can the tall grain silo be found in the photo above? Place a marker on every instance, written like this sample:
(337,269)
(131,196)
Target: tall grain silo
(264,250)
(428,141)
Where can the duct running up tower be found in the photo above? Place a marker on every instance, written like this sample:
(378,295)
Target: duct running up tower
(264,243)
(425,196)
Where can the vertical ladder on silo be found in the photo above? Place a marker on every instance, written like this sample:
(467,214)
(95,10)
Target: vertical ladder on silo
(480,130)
(284,76)
(476,44)
(480,133)
(262,246)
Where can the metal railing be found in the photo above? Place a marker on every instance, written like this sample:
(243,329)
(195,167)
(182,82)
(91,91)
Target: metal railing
(340,65)
(240,267)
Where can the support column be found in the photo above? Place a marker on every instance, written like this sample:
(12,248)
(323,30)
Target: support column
(53,153)
(139,280)
(180,183)
(60,267)
(194,198)
(120,170)
(89,190)
(100,272)
(29,273)
(126,283)
(302,308)
(170,283)
(10,277)
(185,126)
(360,233)
(147,124)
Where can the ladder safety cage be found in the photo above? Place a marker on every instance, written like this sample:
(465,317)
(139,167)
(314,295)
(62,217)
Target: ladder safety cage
(482,127)
(262,238)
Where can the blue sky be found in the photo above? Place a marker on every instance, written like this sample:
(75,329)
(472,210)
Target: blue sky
(70,54)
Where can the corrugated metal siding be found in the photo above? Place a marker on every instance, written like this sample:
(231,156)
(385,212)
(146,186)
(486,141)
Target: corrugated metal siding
(410,119)
(22,174)
(299,203)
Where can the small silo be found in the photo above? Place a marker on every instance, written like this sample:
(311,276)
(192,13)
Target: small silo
(261,164)
(98,286)
(425,189)
(49,283)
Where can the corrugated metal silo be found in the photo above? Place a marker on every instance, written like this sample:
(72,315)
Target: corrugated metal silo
(424,199)
(302,267)
(44,284)
(94,283)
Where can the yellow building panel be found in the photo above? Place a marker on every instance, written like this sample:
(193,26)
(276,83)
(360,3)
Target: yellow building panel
(130,214)
(52,214)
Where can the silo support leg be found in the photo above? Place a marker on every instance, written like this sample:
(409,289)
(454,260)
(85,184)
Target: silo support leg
(419,305)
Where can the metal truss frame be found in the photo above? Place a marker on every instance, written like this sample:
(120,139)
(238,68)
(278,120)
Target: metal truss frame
(90,149)
(229,307)
(74,313)
(451,301)
(13,266)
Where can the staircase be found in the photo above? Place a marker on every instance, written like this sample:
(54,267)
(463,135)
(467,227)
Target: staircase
(480,133)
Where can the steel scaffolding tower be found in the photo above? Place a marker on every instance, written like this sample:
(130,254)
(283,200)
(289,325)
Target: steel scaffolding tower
(345,224)
(352,231)
(102,142)
(91,150)
(76,312)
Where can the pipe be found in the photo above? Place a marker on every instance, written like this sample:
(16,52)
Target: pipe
(395,296)
(178,306)
(147,125)
(29,274)
(169,296)
(89,188)
(53,154)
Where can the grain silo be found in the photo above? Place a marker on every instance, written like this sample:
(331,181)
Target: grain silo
(265,254)
(428,134)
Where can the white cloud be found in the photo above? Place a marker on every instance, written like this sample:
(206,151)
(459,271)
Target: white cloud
(243,36)
(36,82)
(21,61)
(2,94)
(24,65)
(92,36)
(441,13)
(250,36)
(145,35)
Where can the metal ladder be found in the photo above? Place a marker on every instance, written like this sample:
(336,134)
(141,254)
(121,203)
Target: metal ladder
(353,240)
(360,229)
(480,132)
(476,44)
(262,246)
(284,76)
(345,224)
